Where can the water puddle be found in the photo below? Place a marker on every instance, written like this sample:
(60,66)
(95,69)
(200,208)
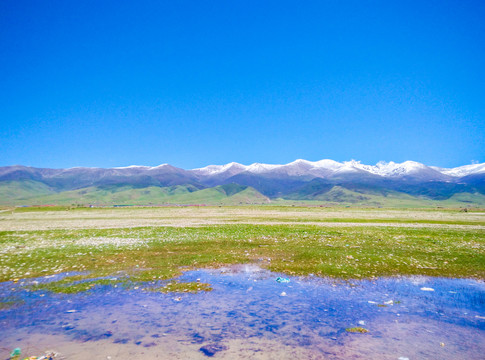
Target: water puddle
(251,315)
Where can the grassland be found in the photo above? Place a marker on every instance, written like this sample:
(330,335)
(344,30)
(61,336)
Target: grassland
(146,244)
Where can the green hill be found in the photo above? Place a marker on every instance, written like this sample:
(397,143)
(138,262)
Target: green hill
(342,196)
(15,192)
(30,192)
(231,194)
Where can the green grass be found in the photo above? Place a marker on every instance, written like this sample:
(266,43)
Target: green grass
(369,221)
(75,284)
(46,208)
(154,253)
(7,304)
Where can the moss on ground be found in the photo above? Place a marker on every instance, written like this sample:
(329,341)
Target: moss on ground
(77,284)
(358,330)
(183,287)
(158,253)
(4,305)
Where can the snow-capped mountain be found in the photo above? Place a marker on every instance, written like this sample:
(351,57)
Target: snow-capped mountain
(230,169)
(330,168)
(463,170)
(325,169)
(300,179)
(391,168)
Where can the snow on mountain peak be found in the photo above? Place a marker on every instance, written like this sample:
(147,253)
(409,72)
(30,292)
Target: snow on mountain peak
(132,167)
(140,167)
(300,162)
(327,167)
(328,164)
(218,169)
(463,170)
(391,168)
(261,168)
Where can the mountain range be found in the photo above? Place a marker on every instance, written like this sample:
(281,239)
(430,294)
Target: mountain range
(325,181)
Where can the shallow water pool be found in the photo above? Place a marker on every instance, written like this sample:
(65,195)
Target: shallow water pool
(251,315)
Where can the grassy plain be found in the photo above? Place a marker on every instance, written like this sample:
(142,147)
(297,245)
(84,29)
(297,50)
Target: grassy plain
(147,244)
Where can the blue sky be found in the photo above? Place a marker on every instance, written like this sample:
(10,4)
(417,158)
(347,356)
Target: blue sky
(192,83)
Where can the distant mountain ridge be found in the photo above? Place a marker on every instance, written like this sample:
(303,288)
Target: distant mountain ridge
(325,168)
(324,180)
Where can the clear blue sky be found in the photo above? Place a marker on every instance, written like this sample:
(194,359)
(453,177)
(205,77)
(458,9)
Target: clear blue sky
(192,83)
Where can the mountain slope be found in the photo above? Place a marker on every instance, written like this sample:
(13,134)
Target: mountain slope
(152,195)
(324,180)
(11,191)
(80,177)
(329,168)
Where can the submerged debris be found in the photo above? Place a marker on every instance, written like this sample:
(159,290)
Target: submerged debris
(211,349)
(49,355)
(15,353)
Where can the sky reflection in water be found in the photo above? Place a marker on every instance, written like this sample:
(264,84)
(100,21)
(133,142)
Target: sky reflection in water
(250,315)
